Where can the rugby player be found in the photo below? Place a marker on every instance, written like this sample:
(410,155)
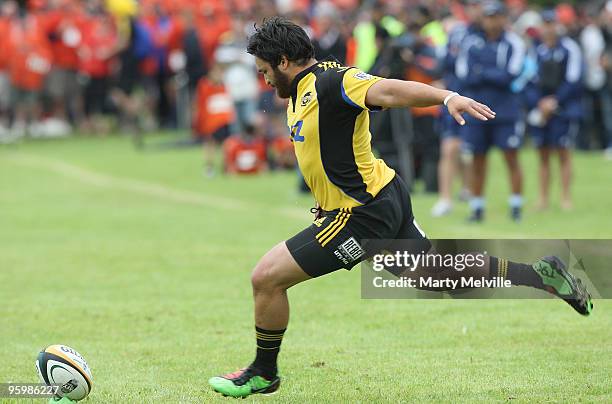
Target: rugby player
(358,197)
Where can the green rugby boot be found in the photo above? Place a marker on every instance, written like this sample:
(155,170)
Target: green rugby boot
(243,383)
(558,281)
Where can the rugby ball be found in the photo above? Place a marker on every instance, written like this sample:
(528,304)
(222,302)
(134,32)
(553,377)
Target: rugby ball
(60,364)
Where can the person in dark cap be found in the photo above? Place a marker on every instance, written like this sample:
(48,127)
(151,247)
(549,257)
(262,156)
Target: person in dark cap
(489,61)
(555,101)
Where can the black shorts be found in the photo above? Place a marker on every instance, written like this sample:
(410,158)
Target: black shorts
(345,237)
(221,134)
(128,73)
(95,95)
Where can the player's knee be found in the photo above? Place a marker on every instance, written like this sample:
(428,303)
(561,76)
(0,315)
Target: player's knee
(265,274)
(451,148)
(260,277)
(564,156)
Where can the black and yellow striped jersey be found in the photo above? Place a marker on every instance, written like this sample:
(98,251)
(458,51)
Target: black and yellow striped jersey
(329,123)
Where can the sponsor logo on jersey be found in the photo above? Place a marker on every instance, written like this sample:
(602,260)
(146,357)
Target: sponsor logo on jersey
(362,76)
(306,99)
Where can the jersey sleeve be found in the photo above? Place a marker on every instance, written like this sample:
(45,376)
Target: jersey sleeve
(354,87)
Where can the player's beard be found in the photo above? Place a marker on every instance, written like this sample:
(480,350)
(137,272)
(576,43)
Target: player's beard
(282,83)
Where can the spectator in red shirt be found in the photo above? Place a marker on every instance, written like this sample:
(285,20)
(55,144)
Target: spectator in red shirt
(282,153)
(64,25)
(213,115)
(245,153)
(6,8)
(98,47)
(28,62)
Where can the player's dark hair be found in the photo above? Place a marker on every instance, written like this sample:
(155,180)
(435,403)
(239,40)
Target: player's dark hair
(278,37)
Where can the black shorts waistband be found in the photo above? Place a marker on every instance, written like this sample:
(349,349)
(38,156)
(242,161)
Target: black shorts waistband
(382,191)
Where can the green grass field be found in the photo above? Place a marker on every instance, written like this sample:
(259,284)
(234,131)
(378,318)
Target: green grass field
(142,264)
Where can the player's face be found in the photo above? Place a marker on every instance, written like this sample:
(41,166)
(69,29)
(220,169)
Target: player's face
(274,78)
(494,25)
(548,31)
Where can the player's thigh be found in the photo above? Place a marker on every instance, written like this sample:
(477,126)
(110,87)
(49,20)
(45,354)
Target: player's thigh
(221,134)
(344,237)
(474,138)
(448,126)
(277,269)
(409,237)
(450,147)
(566,132)
(310,250)
(508,135)
(389,224)
(538,136)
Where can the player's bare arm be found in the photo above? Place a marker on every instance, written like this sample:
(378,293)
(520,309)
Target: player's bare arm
(390,93)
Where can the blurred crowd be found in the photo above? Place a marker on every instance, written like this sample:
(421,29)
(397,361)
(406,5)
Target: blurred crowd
(97,66)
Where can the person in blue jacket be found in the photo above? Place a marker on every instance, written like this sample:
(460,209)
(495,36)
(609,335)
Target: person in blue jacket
(450,146)
(487,64)
(555,100)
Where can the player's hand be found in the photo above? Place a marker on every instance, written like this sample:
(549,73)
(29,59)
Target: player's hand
(548,105)
(458,105)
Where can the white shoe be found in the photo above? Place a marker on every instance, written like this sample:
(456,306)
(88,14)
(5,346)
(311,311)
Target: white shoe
(441,208)
(608,153)
(54,127)
(36,130)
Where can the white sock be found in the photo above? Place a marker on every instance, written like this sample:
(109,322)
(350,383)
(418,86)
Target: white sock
(515,200)
(477,202)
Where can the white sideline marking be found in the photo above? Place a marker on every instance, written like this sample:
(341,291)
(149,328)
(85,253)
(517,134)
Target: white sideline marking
(159,191)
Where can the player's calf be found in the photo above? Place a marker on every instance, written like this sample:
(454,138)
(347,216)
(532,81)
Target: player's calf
(272,276)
